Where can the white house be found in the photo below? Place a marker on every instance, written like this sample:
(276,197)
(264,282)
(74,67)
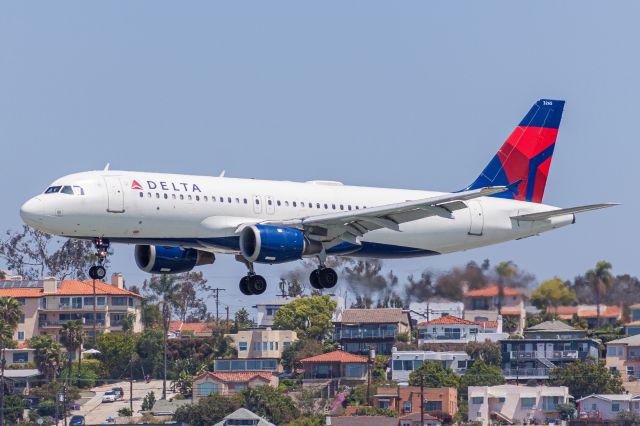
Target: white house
(606,406)
(513,403)
(426,311)
(451,329)
(404,362)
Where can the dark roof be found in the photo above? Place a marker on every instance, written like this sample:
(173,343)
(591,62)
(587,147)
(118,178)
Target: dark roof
(380,315)
(552,326)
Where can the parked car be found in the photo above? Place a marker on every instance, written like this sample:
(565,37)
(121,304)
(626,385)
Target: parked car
(110,396)
(119,392)
(77,421)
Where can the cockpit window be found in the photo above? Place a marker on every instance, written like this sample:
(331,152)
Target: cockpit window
(52,189)
(67,190)
(78,190)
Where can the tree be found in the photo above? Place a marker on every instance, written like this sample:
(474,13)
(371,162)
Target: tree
(128,322)
(433,375)
(270,403)
(309,317)
(34,254)
(298,350)
(291,287)
(48,395)
(553,293)
(72,337)
(191,306)
(10,313)
(627,418)
(489,352)
(480,374)
(504,270)
(588,377)
(241,320)
(208,411)
(167,290)
(600,280)
(149,401)
(116,350)
(48,355)
(13,409)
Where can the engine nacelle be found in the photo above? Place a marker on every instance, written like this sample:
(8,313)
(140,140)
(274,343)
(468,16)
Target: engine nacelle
(275,244)
(170,260)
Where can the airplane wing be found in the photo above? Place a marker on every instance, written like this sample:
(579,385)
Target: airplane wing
(348,225)
(559,212)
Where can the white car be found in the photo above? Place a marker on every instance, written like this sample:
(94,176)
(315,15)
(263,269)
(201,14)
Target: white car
(110,396)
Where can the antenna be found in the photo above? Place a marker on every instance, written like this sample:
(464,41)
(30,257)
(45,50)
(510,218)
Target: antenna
(106,168)
(222,173)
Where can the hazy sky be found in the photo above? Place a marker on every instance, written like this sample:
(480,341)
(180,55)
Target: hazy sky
(411,94)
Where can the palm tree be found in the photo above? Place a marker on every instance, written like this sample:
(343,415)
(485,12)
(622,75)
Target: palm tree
(505,271)
(165,290)
(10,313)
(48,355)
(600,280)
(72,337)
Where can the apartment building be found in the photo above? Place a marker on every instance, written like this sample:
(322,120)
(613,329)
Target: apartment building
(623,355)
(512,404)
(262,343)
(406,400)
(404,362)
(48,304)
(486,304)
(359,330)
(450,329)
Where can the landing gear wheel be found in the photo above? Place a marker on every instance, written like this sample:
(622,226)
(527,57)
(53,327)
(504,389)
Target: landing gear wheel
(314,279)
(244,286)
(257,284)
(327,278)
(97,272)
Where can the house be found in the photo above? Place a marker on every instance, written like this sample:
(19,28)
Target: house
(266,311)
(19,381)
(48,304)
(361,421)
(404,362)
(19,357)
(633,326)
(544,347)
(450,329)
(227,383)
(606,407)
(425,311)
(609,315)
(359,330)
(338,367)
(190,329)
(262,343)
(244,417)
(482,305)
(511,404)
(417,419)
(406,400)
(623,355)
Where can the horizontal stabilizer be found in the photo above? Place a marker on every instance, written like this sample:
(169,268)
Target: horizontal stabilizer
(560,212)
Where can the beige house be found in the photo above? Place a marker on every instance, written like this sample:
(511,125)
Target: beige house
(513,404)
(623,355)
(224,383)
(482,305)
(47,305)
(262,343)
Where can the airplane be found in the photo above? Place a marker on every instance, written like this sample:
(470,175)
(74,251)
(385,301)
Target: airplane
(178,222)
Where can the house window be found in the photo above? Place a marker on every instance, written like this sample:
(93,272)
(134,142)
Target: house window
(383,403)
(354,370)
(615,407)
(119,301)
(433,406)
(270,346)
(476,400)
(407,406)
(527,402)
(20,357)
(631,371)
(65,301)
(88,301)
(21,321)
(206,389)
(21,300)
(101,300)
(242,346)
(550,403)
(43,303)
(20,335)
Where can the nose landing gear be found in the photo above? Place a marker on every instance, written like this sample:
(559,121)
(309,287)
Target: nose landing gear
(98,272)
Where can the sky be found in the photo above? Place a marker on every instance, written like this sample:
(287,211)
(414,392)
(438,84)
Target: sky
(413,95)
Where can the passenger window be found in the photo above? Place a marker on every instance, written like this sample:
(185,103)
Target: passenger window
(341,207)
(173,196)
(317,205)
(67,190)
(358,208)
(149,194)
(229,199)
(237,200)
(326,206)
(333,206)
(310,205)
(245,200)
(166,196)
(269,202)
(257,201)
(286,204)
(206,198)
(213,198)
(52,189)
(197,198)
(78,190)
(157,195)
(349,207)
(189,197)
(222,199)
(141,194)
(181,197)
(278,202)
(294,204)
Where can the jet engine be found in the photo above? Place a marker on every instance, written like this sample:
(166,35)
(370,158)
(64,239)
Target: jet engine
(275,244)
(170,260)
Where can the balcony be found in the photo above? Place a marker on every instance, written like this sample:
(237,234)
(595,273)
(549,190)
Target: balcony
(365,334)
(447,336)
(72,307)
(55,324)
(120,308)
(526,373)
(550,355)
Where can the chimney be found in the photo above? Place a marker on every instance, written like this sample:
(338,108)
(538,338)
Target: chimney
(49,285)
(499,321)
(328,421)
(117,280)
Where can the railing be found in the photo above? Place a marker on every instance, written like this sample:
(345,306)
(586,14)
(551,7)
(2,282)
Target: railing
(120,307)
(552,355)
(365,334)
(459,336)
(71,307)
(526,372)
(61,323)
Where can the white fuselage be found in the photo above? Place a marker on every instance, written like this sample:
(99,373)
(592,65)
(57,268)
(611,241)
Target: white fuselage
(204,212)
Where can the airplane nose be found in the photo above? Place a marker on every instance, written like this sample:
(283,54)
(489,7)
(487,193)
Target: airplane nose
(32,212)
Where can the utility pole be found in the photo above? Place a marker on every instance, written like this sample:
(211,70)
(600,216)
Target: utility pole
(94,315)
(422,397)
(216,295)
(131,385)
(226,324)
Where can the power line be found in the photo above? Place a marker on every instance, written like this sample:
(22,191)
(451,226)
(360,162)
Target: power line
(216,295)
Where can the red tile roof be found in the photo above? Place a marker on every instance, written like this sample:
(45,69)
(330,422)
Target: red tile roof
(69,288)
(492,291)
(236,377)
(20,292)
(448,320)
(190,327)
(586,311)
(336,356)
(488,324)
(511,311)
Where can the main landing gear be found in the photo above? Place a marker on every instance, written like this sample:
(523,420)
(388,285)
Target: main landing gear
(323,277)
(98,272)
(251,284)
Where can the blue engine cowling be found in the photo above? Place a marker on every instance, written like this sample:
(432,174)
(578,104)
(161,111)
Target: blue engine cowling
(275,244)
(170,260)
